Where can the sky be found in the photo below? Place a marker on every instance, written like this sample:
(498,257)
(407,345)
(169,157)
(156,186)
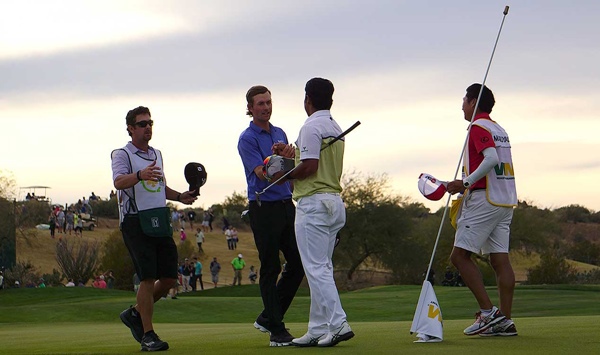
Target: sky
(70,71)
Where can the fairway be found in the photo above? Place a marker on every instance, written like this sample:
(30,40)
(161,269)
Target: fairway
(550,320)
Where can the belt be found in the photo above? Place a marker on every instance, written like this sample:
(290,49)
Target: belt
(478,188)
(287,200)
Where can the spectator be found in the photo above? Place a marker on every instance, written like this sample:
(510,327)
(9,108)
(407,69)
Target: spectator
(70,219)
(17,284)
(238,265)
(79,226)
(211,218)
(93,197)
(191,216)
(197,274)
(252,275)
(228,239)
(182,220)
(215,268)
(110,279)
(174,217)
(234,237)
(448,277)
(206,222)
(52,224)
(1,280)
(182,235)
(226,224)
(186,271)
(199,240)
(70,283)
(99,282)
(112,194)
(60,221)
(41,284)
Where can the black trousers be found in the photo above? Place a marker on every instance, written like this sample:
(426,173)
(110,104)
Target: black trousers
(273,227)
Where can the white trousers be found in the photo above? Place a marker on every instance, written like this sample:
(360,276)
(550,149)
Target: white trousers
(186,284)
(318,219)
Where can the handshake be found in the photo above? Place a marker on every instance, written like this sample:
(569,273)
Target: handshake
(276,165)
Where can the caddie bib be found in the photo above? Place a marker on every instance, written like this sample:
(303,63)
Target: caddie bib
(149,198)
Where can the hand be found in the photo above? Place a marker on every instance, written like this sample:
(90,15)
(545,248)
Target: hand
(151,172)
(455,186)
(187,198)
(285,150)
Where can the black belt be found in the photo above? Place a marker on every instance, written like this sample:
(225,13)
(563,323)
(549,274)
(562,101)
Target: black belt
(477,188)
(287,200)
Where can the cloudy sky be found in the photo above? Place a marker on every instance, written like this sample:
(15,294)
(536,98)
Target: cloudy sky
(70,71)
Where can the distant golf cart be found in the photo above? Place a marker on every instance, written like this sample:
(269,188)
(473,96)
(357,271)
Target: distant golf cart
(34,192)
(89,221)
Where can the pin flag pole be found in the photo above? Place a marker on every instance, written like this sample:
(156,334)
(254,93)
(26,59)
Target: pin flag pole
(460,159)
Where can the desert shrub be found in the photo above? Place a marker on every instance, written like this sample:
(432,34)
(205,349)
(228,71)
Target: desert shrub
(187,249)
(573,214)
(583,250)
(552,269)
(115,257)
(105,208)
(588,277)
(31,213)
(53,279)
(77,260)
(24,272)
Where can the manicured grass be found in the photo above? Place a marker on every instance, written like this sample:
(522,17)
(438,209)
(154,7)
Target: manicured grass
(241,304)
(550,319)
(551,335)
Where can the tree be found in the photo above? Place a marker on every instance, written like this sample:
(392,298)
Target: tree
(552,269)
(533,229)
(77,261)
(377,227)
(233,207)
(574,214)
(8,185)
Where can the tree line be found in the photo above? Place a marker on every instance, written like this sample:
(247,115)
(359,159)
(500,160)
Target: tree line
(384,231)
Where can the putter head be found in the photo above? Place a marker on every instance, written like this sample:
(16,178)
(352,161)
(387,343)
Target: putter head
(257,194)
(245,216)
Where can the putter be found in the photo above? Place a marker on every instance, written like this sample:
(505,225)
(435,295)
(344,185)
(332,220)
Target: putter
(356,124)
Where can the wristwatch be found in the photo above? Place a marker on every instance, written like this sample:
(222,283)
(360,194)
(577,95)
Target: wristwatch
(466,184)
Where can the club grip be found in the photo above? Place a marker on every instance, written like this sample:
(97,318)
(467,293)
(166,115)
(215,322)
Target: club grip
(506,10)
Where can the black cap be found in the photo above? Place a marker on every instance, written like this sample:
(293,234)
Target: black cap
(195,175)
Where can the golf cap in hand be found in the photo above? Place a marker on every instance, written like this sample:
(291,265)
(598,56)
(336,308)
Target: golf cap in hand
(432,188)
(195,175)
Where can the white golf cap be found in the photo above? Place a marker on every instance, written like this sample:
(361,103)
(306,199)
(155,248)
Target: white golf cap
(240,256)
(432,188)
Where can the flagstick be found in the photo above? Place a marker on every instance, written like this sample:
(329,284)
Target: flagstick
(437,239)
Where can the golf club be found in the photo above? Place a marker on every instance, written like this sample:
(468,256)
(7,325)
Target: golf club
(356,124)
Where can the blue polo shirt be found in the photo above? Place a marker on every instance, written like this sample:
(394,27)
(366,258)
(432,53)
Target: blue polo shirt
(254,146)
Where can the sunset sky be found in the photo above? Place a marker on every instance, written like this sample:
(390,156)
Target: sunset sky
(70,71)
